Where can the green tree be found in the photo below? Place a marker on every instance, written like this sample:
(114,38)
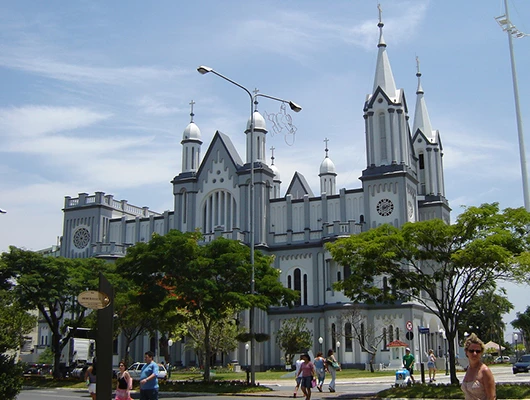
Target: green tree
(51,285)
(483,316)
(46,357)
(223,336)
(449,263)
(293,337)
(210,282)
(15,322)
(522,322)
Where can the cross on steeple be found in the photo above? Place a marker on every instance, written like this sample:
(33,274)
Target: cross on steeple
(326,140)
(380,13)
(272,155)
(191,113)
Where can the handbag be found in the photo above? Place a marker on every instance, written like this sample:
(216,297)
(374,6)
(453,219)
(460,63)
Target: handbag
(335,365)
(314,383)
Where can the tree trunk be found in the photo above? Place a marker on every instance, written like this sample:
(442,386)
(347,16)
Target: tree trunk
(56,339)
(452,357)
(207,351)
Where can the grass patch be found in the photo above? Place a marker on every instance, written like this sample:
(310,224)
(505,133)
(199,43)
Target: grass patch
(440,391)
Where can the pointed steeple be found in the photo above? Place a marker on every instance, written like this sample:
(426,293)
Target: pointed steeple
(421,116)
(276,181)
(328,174)
(383,73)
(191,145)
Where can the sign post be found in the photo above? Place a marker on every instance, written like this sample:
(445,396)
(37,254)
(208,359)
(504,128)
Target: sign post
(104,341)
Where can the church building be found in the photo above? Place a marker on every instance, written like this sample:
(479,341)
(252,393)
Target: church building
(403,181)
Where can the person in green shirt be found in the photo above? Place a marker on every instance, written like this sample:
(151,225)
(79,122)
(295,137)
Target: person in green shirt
(408,363)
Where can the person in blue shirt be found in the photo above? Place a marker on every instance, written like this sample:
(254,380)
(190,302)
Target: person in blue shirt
(149,378)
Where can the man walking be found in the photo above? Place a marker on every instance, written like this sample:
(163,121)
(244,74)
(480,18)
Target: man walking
(149,378)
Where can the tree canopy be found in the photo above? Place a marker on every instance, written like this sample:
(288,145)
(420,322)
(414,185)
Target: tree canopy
(209,281)
(437,265)
(293,337)
(51,285)
(483,315)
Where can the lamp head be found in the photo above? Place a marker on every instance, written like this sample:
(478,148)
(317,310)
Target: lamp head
(204,70)
(295,107)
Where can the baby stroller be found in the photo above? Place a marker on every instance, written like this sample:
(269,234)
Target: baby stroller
(403,377)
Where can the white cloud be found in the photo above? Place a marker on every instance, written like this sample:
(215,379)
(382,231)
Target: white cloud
(64,71)
(34,121)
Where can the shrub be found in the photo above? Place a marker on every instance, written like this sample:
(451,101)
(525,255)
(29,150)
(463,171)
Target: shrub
(11,377)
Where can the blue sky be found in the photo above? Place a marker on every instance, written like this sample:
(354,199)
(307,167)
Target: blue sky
(95,95)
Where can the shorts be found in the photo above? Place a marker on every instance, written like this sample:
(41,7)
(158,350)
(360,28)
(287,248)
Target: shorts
(411,370)
(92,388)
(430,365)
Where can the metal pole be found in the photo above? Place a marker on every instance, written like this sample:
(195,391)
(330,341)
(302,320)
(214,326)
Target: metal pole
(522,154)
(252,247)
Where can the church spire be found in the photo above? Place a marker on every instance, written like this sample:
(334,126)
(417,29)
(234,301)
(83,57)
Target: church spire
(276,181)
(383,73)
(422,121)
(191,145)
(328,174)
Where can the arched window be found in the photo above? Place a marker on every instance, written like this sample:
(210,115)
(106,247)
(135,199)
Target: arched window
(390,333)
(305,290)
(397,333)
(219,209)
(333,337)
(348,337)
(298,285)
(385,343)
(382,133)
(347,272)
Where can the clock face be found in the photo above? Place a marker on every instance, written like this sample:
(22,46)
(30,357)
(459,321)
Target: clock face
(385,207)
(410,207)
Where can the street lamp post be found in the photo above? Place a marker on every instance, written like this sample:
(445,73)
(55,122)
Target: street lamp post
(513,32)
(246,354)
(515,337)
(320,341)
(296,108)
(169,344)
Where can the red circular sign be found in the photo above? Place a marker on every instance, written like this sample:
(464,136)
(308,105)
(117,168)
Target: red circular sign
(409,326)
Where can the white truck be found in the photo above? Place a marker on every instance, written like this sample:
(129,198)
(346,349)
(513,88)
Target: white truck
(78,353)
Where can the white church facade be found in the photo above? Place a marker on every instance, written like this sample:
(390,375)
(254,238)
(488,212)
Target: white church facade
(403,181)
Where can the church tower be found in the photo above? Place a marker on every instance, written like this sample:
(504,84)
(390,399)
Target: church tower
(328,174)
(428,148)
(276,181)
(389,180)
(191,145)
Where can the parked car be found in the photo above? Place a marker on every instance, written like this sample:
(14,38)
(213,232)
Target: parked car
(522,365)
(500,360)
(135,369)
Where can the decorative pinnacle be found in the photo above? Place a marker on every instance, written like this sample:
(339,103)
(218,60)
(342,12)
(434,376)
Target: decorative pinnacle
(191,113)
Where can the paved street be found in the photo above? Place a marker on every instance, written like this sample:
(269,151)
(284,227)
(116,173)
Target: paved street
(284,388)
